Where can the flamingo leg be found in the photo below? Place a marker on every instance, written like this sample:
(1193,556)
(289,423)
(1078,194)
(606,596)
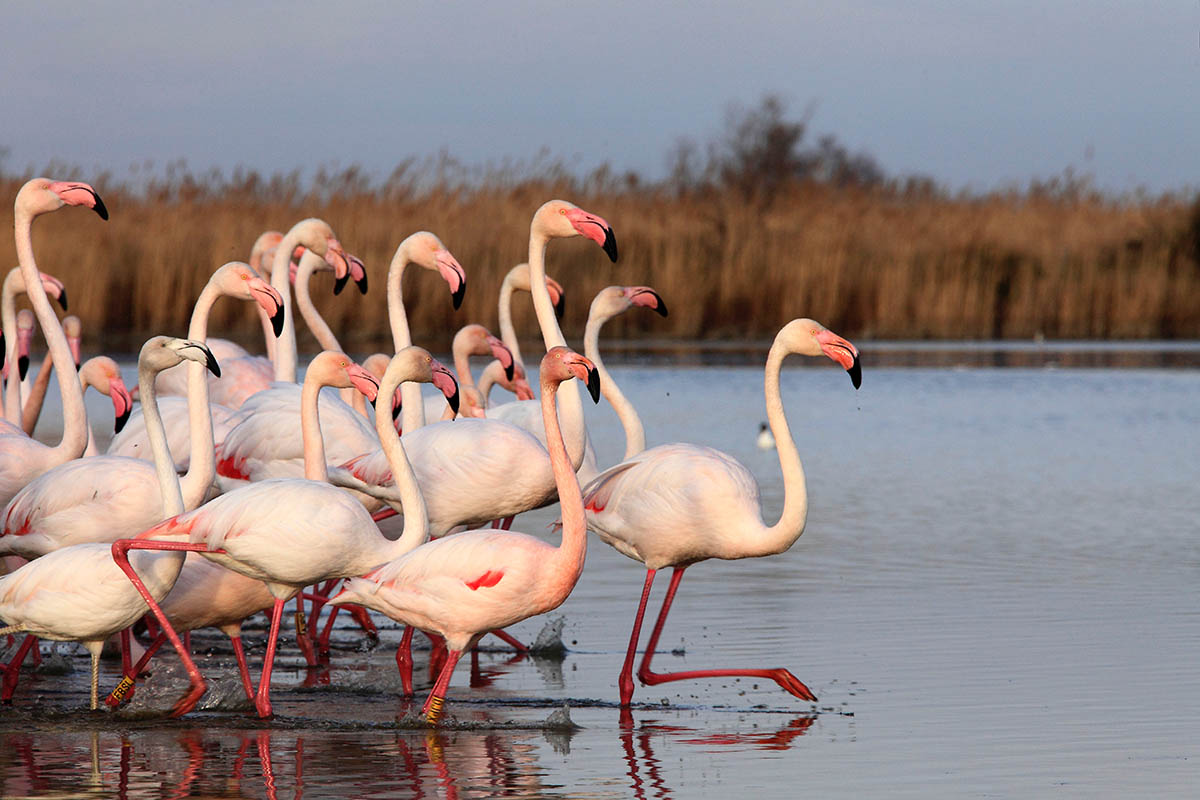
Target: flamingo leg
(129,674)
(244,671)
(96,677)
(404,660)
(384,513)
(364,621)
(510,640)
(12,670)
(263,700)
(327,631)
(125,647)
(625,680)
(432,709)
(120,551)
(789,682)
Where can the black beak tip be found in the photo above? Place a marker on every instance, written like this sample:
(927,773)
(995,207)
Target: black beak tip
(610,244)
(374,400)
(121,420)
(23,366)
(340,283)
(362,284)
(77,366)
(509,371)
(453,401)
(100,208)
(593,384)
(277,322)
(396,412)
(855,373)
(661,308)
(457,296)
(560,307)
(210,361)
(62,299)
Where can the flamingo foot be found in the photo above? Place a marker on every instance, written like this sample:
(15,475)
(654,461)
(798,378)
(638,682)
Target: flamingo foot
(404,661)
(189,700)
(789,682)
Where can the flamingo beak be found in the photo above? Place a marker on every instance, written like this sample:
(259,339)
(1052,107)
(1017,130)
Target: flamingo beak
(340,283)
(647,298)
(80,194)
(557,296)
(335,257)
(210,361)
(843,352)
(122,403)
(397,405)
(271,302)
(23,365)
(443,380)
(453,273)
(523,390)
(364,382)
(593,383)
(358,271)
(596,229)
(502,354)
(62,299)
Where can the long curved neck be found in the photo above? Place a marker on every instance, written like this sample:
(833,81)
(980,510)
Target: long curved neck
(416,518)
(32,409)
(75,427)
(462,365)
(795,493)
(573,549)
(202,467)
(315,468)
(312,318)
(413,409)
(575,433)
(8,323)
(635,434)
(285,343)
(164,465)
(508,333)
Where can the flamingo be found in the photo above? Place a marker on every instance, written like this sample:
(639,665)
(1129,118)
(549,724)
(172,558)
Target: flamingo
(517,279)
(61,506)
(295,532)
(78,593)
(472,340)
(473,471)
(464,586)
(22,458)
(677,504)
(494,375)
(14,284)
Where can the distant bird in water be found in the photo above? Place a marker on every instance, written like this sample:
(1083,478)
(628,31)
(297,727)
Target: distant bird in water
(766,439)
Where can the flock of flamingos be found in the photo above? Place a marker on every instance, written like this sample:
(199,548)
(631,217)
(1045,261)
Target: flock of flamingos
(231,493)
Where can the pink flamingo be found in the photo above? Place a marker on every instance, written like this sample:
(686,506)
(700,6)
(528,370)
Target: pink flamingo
(464,586)
(677,504)
(14,284)
(517,280)
(98,372)
(78,593)
(61,506)
(293,532)
(472,340)
(22,458)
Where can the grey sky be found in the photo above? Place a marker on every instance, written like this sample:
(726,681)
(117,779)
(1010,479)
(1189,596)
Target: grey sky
(978,93)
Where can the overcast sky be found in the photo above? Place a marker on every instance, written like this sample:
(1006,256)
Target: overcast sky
(973,93)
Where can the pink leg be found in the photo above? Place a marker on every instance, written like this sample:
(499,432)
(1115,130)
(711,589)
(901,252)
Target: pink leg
(129,674)
(37,656)
(511,640)
(364,620)
(506,523)
(263,701)
(120,551)
(243,670)
(327,631)
(125,657)
(785,679)
(432,709)
(12,670)
(384,513)
(625,680)
(404,660)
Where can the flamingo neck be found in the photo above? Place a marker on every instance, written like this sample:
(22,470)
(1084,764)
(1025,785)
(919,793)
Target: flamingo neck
(462,365)
(787,530)
(635,434)
(75,427)
(8,323)
(202,464)
(573,548)
(312,318)
(575,432)
(32,408)
(164,465)
(508,333)
(413,409)
(315,468)
(416,517)
(285,343)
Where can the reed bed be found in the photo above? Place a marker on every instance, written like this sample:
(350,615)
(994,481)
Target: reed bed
(876,262)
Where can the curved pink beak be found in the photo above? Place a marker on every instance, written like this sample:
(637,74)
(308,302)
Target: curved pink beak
(55,289)
(594,228)
(269,299)
(557,296)
(24,342)
(121,400)
(443,380)
(646,297)
(502,354)
(335,256)
(75,193)
(363,381)
(843,352)
(522,388)
(454,275)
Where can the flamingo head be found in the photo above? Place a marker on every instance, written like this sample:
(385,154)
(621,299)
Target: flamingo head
(563,363)
(163,352)
(24,341)
(54,288)
(73,329)
(444,382)
(811,338)
(646,297)
(561,219)
(358,271)
(42,195)
(557,296)
(520,384)
(426,250)
(264,250)
(103,373)
(475,340)
(316,235)
(239,280)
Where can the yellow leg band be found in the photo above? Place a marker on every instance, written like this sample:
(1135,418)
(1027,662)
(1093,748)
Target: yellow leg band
(435,710)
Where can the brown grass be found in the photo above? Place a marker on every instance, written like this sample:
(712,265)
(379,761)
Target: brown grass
(869,263)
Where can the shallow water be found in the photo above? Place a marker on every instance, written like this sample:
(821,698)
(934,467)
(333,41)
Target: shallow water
(994,597)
